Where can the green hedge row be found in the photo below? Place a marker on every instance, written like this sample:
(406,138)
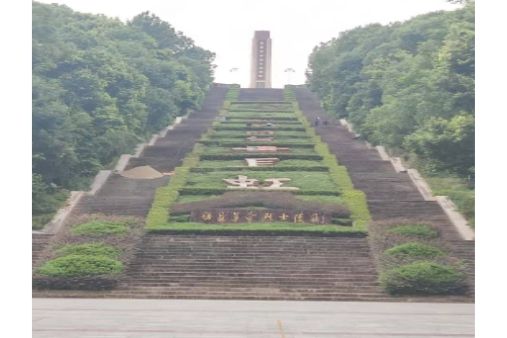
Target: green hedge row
(354,199)
(247,117)
(281,168)
(241,156)
(296,138)
(287,128)
(233,93)
(244,143)
(220,191)
(242,133)
(165,196)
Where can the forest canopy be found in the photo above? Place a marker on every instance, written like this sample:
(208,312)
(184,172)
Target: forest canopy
(99,87)
(409,86)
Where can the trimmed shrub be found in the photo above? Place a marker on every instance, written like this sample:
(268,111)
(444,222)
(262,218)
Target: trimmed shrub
(271,200)
(242,143)
(80,266)
(414,230)
(98,228)
(278,168)
(238,127)
(89,249)
(241,156)
(423,277)
(415,250)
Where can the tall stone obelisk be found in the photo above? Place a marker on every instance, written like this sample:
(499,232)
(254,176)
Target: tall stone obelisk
(260,72)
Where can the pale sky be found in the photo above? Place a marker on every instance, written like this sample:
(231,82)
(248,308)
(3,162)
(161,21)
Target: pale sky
(226,27)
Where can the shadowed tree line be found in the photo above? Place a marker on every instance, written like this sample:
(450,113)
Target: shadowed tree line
(408,85)
(99,87)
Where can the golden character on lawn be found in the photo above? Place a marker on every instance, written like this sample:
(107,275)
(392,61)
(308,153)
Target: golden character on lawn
(221,217)
(235,216)
(283,216)
(268,217)
(314,218)
(206,216)
(299,217)
(250,216)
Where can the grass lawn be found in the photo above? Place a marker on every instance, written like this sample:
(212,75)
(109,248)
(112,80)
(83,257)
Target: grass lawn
(278,134)
(458,191)
(261,106)
(213,149)
(241,163)
(258,227)
(304,165)
(316,198)
(314,181)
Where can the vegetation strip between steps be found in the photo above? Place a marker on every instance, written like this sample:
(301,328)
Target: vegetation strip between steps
(159,214)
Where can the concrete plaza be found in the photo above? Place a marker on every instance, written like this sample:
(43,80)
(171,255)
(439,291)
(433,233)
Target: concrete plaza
(145,318)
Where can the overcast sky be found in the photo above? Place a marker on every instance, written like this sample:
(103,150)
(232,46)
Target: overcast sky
(226,27)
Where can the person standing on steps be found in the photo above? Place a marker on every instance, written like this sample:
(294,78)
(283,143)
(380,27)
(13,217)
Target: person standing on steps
(317,121)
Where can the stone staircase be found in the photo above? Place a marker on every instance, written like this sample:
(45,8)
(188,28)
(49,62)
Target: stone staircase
(260,94)
(252,267)
(39,243)
(465,250)
(391,195)
(131,197)
(274,267)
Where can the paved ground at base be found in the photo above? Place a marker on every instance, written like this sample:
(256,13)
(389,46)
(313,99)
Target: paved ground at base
(84,318)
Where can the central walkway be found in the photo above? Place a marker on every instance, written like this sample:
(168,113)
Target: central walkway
(256,319)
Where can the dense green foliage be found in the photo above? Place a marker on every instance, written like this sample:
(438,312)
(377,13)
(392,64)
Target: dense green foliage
(409,86)
(414,230)
(80,265)
(424,278)
(99,87)
(100,228)
(414,250)
(89,249)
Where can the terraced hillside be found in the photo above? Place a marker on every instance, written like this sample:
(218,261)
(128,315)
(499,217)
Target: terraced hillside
(260,208)
(285,257)
(301,237)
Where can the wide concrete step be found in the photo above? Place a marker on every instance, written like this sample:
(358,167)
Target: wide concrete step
(260,94)
(252,267)
(274,282)
(39,243)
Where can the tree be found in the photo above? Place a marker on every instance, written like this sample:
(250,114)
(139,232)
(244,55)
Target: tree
(404,81)
(100,86)
(447,144)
